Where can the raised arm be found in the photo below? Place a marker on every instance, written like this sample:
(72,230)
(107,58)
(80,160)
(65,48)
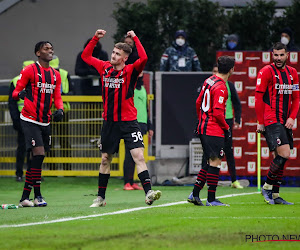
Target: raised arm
(139,64)
(88,50)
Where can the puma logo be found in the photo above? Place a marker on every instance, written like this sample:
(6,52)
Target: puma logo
(40,75)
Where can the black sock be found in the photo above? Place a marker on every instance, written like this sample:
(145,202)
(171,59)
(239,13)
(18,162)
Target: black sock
(200,182)
(102,184)
(212,182)
(278,182)
(36,173)
(276,165)
(145,179)
(28,185)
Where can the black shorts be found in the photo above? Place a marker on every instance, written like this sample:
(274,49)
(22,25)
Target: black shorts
(277,135)
(113,132)
(36,135)
(213,146)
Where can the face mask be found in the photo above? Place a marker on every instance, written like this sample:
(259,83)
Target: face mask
(180,41)
(284,40)
(232,45)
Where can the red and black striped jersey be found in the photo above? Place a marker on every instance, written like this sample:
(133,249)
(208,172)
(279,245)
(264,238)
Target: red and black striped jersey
(277,94)
(41,85)
(117,85)
(210,106)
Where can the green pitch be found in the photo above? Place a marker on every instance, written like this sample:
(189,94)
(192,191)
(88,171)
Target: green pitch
(179,226)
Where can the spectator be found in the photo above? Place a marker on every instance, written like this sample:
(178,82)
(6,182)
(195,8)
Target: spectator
(62,128)
(287,38)
(134,54)
(15,108)
(83,69)
(140,103)
(180,56)
(233,42)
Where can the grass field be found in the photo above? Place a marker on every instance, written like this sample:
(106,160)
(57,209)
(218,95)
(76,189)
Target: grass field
(128,223)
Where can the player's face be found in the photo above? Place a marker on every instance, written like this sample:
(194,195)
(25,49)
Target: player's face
(118,57)
(129,41)
(46,52)
(215,70)
(279,58)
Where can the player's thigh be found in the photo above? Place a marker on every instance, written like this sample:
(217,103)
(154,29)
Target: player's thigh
(277,135)
(32,134)
(132,134)
(46,137)
(213,146)
(110,137)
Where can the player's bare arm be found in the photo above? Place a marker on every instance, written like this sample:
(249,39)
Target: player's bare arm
(131,33)
(100,33)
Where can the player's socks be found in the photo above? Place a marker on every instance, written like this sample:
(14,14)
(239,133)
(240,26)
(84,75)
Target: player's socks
(276,165)
(36,173)
(277,182)
(145,180)
(200,182)
(212,182)
(27,186)
(102,184)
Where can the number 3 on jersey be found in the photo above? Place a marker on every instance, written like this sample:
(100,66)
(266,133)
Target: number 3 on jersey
(137,136)
(206,101)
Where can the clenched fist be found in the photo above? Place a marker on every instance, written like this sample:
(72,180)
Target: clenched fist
(100,33)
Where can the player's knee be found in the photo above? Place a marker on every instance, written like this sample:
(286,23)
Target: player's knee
(139,157)
(106,159)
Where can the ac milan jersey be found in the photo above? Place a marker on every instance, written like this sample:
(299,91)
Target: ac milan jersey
(210,102)
(280,88)
(117,85)
(41,85)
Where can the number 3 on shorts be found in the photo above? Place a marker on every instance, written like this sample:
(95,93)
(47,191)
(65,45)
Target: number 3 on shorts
(137,136)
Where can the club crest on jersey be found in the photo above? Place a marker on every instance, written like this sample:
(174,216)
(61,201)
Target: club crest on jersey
(33,142)
(221,99)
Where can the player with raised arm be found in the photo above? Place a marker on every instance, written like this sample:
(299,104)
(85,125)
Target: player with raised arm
(120,115)
(277,105)
(212,128)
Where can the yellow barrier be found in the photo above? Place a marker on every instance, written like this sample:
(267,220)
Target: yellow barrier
(74,140)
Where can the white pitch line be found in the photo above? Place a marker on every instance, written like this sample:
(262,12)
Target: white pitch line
(113,213)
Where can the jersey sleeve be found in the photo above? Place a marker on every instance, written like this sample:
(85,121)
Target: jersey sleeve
(89,59)
(263,79)
(140,64)
(295,96)
(24,78)
(219,102)
(57,93)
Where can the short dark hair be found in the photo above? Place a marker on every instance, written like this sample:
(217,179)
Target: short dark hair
(40,45)
(125,47)
(279,46)
(225,64)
